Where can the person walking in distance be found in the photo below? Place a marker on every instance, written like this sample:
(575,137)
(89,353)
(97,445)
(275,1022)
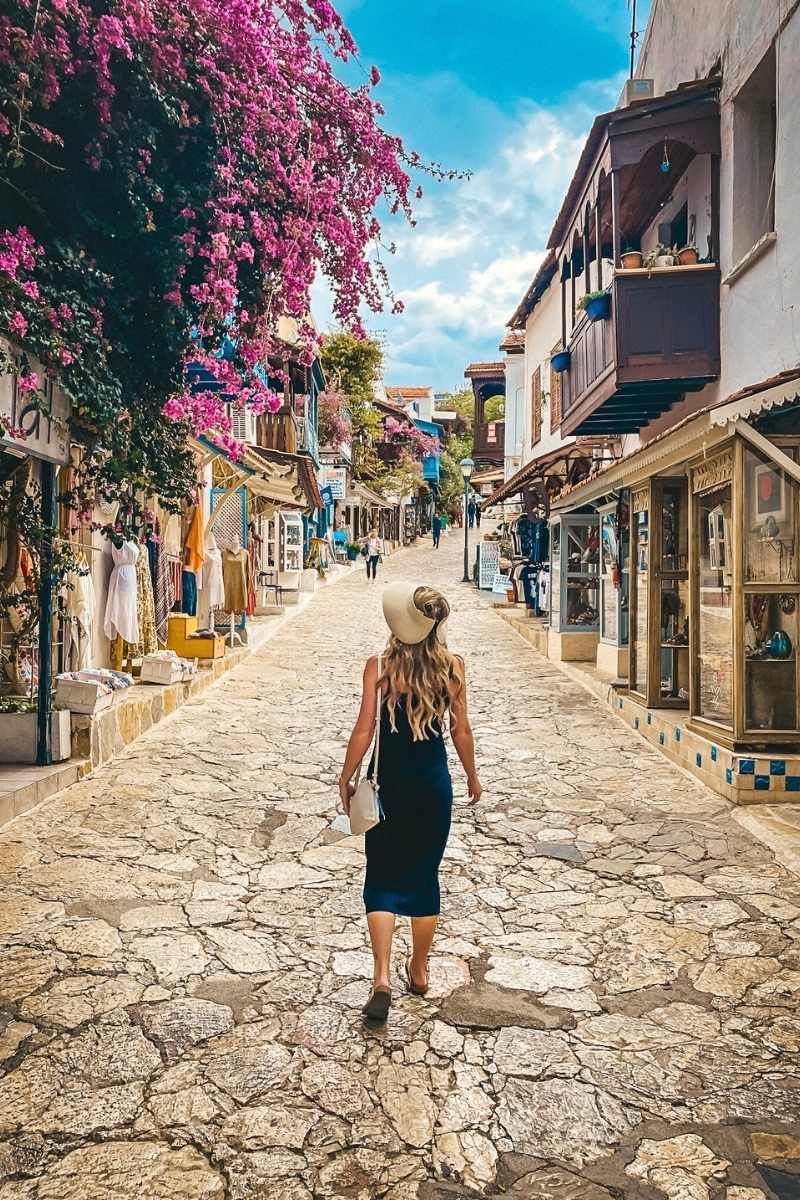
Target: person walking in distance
(478,515)
(436,530)
(471,513)
(374,548)
(422,688)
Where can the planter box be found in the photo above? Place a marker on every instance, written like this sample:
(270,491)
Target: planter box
(18,736)
(161,670)
(560,361)
(82,696)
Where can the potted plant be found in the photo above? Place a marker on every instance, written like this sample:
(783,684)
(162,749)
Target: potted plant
(631,259)
(596,305)
(688,256)
(560,361)
(353,551)
(659,257)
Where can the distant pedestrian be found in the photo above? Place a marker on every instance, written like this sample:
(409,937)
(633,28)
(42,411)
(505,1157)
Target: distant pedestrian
(445,523)
(478,515)
(436,530)
(471,513)
(410,693)
(374,549)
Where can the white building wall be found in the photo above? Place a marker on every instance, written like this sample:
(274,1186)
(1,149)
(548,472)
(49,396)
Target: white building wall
(759,310)
(515,413)
(542,333)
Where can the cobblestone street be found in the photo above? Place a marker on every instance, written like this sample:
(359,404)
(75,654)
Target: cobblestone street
(614,1010)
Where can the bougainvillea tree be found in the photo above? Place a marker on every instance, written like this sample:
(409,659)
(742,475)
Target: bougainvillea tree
(173,174)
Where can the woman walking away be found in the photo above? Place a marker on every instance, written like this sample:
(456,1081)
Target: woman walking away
(421,685)
(374,548)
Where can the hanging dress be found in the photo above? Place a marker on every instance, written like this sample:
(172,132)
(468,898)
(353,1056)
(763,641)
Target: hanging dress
(121,615)
(404,850)
(145,609)
(212,581)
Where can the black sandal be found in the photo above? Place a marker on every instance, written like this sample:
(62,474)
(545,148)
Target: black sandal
(412,986)
(377,1007)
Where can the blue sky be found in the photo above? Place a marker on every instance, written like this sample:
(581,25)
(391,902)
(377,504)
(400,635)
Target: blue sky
(506,89)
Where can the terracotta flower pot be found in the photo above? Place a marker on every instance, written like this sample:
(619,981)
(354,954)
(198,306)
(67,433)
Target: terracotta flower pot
(688,256)
(631,260)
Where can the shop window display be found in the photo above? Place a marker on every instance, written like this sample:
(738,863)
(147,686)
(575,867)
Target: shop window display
(770,665)
(770,521)
(575,582)
(641,546)
(715,616)
(672,590)
(614,534)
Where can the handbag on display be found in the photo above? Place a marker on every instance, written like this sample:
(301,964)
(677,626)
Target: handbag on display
(365,804)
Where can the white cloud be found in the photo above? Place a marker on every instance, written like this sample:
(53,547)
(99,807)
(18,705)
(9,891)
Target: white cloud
(463,268)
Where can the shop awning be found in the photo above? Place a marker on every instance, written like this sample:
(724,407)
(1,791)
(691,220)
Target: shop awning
(695,434)
(359,494)
(281,478)
(551,470)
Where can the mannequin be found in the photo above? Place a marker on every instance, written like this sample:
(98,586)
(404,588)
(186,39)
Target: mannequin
(236,580)
(121,622)
(212,583)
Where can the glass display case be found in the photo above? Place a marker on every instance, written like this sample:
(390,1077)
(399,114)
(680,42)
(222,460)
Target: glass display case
(659,659)
(614,572)
(291,543)
(575,573)
(746,594)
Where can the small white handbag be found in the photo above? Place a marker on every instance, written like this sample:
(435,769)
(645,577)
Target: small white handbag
(365,804)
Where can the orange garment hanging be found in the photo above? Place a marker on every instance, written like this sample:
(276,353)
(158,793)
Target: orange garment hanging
(195,554)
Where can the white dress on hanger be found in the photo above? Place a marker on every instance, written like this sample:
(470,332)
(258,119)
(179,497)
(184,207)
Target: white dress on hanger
(212,583)
(121,608)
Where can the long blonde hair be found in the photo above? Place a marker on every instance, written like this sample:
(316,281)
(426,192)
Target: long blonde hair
(422,672)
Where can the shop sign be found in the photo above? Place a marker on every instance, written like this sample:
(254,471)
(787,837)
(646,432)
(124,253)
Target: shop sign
(488,564)
(334,478)
(326,494)
(500,584)
(43,427)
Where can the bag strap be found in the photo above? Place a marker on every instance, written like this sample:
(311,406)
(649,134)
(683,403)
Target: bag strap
(378,702)
(377,740)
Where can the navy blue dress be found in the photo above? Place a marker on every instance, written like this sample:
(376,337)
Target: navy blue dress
(405,848)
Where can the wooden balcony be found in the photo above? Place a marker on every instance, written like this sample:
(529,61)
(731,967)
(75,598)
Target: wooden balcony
(660,341)
(278,431)
(489,442)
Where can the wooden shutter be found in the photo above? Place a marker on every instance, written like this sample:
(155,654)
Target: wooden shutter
(536,406)
(555,395)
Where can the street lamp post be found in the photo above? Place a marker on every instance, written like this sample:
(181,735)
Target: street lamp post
(467,466)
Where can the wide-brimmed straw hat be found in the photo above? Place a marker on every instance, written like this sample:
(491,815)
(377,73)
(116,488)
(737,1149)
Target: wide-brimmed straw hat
(405,620)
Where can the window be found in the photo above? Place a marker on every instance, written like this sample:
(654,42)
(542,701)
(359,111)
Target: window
(754,136)
(536,406)
(555,394)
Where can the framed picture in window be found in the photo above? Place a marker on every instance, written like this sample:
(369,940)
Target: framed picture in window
(768,496)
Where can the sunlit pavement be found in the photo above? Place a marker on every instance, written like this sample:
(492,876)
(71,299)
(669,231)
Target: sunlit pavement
(615,987)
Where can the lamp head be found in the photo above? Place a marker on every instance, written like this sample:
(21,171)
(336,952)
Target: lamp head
(467,466)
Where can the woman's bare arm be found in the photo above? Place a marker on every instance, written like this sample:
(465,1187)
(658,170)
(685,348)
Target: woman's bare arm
(461,731)
(363,731)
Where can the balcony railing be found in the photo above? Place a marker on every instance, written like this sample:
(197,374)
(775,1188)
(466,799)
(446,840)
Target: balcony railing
(307,438)
(278,431)
(660,341)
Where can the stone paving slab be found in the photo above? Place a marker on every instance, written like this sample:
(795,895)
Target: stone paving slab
(614,1009)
